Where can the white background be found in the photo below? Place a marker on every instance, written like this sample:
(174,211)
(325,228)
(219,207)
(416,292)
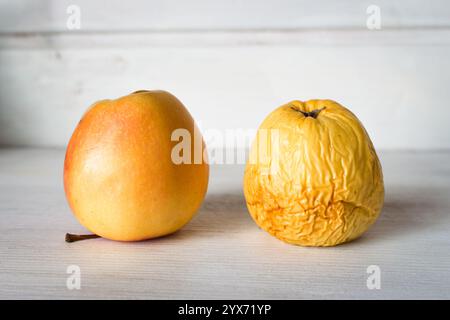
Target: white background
(230,62)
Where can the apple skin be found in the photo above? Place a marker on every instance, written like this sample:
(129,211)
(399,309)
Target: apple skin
(319,182)
(119,178)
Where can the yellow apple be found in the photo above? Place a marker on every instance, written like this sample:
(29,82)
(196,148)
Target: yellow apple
(120,178)
(313,177)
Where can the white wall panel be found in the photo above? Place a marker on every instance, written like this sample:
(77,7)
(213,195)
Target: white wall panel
(117,15)
(398,88)
(230,62)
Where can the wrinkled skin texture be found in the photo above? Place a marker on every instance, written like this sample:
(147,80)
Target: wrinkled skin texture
(119,177)
(324,186)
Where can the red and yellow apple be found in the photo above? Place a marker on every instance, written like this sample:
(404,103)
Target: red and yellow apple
(119,176)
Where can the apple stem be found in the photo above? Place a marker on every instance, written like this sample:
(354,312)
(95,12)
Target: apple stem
(312,114)
(77,237)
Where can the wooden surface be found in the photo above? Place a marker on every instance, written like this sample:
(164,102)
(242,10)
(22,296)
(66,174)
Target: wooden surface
(221,253)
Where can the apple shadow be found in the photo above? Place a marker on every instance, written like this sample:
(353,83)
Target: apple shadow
(222,212)
(219,213)
(406,211)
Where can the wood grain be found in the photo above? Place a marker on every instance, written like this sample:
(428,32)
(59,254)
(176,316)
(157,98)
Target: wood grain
(222,253)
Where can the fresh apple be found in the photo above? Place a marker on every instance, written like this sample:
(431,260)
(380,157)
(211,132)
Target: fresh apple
(120,178)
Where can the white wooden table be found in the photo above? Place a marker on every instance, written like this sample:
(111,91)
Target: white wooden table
(222,253)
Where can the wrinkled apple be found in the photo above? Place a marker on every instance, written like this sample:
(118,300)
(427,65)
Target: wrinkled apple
(313,177)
